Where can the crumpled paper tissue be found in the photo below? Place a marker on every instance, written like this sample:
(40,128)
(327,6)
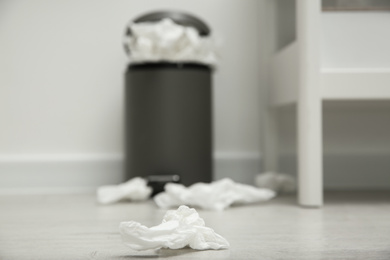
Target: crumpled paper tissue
(179,228)
(167,41)
(135,189)
(278,182)
(217,195)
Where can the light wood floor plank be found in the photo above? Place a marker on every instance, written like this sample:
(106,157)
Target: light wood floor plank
(351,225)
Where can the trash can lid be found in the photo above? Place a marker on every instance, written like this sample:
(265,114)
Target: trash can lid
(181,18)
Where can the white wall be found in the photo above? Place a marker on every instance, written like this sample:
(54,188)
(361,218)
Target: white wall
(61,93)
(355,39)
(61,86)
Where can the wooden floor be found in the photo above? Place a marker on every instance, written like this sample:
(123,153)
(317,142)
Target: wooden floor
(350,226)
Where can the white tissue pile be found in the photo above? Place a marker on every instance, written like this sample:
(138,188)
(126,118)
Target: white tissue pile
(135,189)
(179,228)
(217,195)
(167,41)
(278,182)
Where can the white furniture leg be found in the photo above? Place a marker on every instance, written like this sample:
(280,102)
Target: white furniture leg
(309,105)
(310,153)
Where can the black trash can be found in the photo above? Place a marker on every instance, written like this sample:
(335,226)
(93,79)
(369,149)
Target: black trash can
(169,118)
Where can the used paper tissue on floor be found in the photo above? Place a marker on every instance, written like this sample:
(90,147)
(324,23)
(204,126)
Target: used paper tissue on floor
(179,228)
(135,189)
(217,195)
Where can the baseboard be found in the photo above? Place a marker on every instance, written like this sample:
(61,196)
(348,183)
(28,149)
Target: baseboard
(240,167)
(58,173)
(84,173)
(349,171)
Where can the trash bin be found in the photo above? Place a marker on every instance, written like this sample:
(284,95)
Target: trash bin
(169,114)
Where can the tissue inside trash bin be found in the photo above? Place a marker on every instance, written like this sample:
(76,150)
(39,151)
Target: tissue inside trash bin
(167,41)
(179,228)
(217,195)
